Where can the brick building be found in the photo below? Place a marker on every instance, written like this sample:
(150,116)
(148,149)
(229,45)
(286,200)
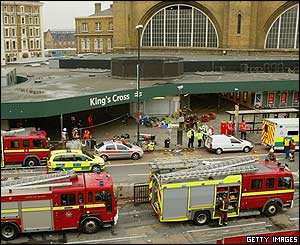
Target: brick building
(94,33)
(56,39)
(21,27)
(232,27)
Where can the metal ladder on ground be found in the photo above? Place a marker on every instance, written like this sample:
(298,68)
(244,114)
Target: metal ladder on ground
(205,173)
(200,164)
(31,180)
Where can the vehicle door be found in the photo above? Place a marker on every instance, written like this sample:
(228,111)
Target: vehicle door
(13,150)
(111,151)
(64,162)
(82,163)
(68,208)
(236,145)
(123,151)
(27,145)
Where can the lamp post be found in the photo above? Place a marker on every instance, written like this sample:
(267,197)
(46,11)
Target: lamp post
(180,128)
(138,28)
(236,116)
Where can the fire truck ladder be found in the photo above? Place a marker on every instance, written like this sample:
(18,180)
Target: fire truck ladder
(200,164)
(37,179)
(205,173)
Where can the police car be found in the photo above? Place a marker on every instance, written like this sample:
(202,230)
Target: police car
(118,150)
(77,160)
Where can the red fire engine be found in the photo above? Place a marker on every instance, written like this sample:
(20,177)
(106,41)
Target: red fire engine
(196,185)
(84,201)
(30,150)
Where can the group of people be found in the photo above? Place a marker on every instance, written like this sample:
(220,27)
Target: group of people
(200,134)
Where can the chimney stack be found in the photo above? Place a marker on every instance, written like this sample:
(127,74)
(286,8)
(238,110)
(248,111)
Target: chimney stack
(97,8)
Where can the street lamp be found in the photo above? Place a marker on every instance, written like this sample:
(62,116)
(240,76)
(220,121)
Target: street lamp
(138,28)
(180,128)
(236,115)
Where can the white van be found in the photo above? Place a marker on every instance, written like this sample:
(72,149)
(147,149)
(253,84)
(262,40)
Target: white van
(222,143)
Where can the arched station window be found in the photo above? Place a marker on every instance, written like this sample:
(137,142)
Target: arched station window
(284,32)
(179,25)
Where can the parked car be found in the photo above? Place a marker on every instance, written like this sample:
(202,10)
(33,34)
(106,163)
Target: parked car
(222,143)
(118,150)
(76,160)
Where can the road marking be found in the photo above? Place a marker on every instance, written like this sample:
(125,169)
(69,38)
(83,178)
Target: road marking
(294,218)
(137,174)
(226,227)
(109,239)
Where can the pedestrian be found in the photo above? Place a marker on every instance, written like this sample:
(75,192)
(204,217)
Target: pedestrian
(271,155)
(199,137)
(243,129)
(223,204)
(292,150)
(286,144)
(79,126)
(191,137)
(64,137)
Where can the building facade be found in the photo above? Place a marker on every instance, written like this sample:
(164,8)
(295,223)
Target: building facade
(21,30)
(57,39)
(94,33)
(225,27)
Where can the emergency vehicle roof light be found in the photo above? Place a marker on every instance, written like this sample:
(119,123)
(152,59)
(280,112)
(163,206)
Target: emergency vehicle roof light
(68,149)
(101,182)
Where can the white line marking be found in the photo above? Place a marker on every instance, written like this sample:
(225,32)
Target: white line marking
(137,174)
(109,239)
(227,227)
(294,218)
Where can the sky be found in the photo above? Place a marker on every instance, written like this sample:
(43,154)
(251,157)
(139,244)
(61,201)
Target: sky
(61,14)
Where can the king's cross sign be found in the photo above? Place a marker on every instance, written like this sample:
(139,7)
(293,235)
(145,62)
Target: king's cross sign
(136,94)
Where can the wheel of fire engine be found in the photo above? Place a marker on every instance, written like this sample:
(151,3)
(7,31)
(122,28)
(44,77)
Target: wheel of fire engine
(96,168)
(31,161)
(271,209)
(8,231)
(246,149)
(90,226)
(104,157)
(201,218)
(135,156)
(219,151)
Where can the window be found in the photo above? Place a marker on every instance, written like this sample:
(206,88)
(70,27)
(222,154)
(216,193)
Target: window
(12,9)
(284,32)
(57,159)
(270,183)
(285,182)
(23,31)
(80,198)
(90,197)
(180,26)
(109,43)
(7,45)
(85,43)
(88,154)
(266,128)
(98,26)
(99,44)
(122,148)
(23,20)
(110,26)
(36,20)
(37,143)
(24,44)
(31,44)
(292,133)
(25,143)
(296,97)
(5,19)
(37,32)
(245,96)
(256,184)
(104,196)
(5,9)
(68,199)
(13,20)
(22,9)
(99,196)
(13,44)
(14,144)
(84,27)
(13,32)
(6,32)
(37,42)
(110,147)
(30,32)
(235,141)
(239,24)
(80,158)
(30,20)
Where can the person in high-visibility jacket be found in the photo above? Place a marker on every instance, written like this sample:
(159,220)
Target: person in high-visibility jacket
(191,136)
(286,143)
(199,137)
(243,129)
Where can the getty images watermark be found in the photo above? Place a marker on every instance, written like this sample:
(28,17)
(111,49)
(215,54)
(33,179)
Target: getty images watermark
(272,239)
